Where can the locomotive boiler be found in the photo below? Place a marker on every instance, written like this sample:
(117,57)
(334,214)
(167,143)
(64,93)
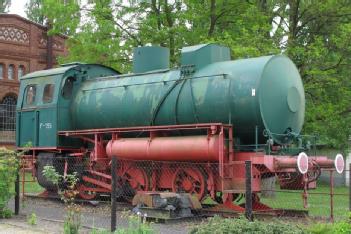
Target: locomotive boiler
(186,129)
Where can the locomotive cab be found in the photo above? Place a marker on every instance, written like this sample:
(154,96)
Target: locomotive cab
(37,110)
(44,103)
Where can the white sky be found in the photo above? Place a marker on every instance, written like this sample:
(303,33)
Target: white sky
(17,7)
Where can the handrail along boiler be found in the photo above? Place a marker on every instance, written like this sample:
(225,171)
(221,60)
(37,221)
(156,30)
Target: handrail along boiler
(186,129)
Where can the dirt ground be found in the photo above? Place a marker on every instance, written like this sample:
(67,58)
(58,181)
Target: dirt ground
(19,225)
(10,228)
(50,215)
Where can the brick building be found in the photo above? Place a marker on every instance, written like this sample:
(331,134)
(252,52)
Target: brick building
(24,47)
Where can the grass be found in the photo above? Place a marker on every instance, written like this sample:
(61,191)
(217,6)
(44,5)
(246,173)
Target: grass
(318,204)
(30,187)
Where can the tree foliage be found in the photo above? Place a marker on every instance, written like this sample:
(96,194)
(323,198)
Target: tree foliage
(319,42)
(34,11)
(4,6)
(314,34)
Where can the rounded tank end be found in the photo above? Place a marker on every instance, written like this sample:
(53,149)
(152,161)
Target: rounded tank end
(281,98)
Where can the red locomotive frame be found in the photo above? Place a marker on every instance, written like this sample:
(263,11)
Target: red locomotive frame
(204,164)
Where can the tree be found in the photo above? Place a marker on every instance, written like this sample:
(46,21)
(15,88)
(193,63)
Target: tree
(98,39)
(241,25)
(4,6)
(93,36)
(34,11)
(317,37)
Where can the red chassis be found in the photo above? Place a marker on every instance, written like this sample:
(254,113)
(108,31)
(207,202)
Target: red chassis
(154,158)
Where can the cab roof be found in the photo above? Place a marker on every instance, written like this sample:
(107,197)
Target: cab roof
(62,69)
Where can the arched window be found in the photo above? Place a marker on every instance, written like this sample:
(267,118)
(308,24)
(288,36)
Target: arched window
(8,112)
(21,71)
(11,72)
(1,71)
(9,99)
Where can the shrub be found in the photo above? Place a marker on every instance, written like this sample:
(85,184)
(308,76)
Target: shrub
(8,172)
(6,213)
(242,225)
(99,231)
(136,225)
(67,193)
(342,227)
(32,219)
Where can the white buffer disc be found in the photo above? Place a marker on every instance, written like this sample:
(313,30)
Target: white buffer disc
(339,163)
(302,162)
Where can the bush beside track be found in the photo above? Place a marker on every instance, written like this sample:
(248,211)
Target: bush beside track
(242,225)
(8,172)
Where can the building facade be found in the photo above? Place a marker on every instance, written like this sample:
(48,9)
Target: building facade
(24,47)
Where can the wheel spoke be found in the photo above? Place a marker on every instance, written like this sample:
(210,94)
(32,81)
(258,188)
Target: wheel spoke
(190,180)
(137,180)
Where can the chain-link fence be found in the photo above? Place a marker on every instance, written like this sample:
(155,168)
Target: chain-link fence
(7,123)
(321,200)
(189,192)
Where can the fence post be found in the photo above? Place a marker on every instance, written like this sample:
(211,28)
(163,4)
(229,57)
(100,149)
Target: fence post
(331,196)
(248,195)
(113,194)
(349,186)
(17,194)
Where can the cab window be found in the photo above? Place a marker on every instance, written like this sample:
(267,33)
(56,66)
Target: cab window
(48,93)
(30,94)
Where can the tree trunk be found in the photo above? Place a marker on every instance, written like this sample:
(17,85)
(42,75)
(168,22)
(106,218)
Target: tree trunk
(170,33)
(213,18)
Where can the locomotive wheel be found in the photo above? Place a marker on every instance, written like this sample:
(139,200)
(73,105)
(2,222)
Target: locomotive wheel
(189,180)
(85,189)
(85,193)
(46,159)
(137,180)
